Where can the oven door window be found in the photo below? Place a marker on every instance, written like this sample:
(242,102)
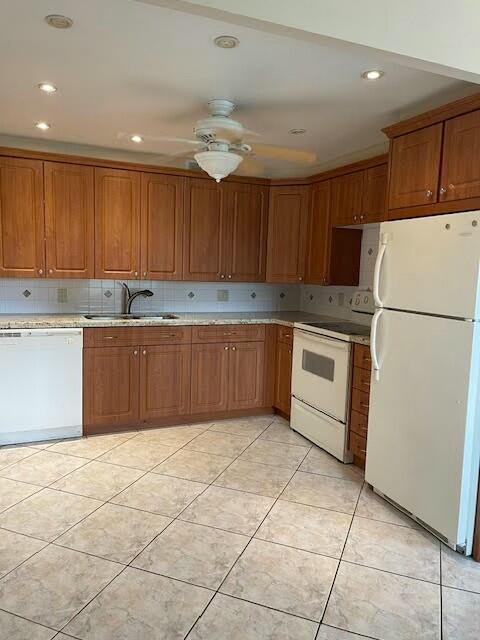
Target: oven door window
(318,365)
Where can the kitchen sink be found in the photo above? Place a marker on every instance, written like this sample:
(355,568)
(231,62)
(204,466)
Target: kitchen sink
(130,316)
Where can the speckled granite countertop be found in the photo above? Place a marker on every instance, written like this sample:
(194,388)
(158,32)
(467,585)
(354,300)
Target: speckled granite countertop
(42,321)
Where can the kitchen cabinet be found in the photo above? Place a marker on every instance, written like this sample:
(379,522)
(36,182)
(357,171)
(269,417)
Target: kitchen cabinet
(245,375)
(111,388)
(69,220)
(283,370)
(359,404)
(319,234)
(415,167)
(161,226)
(209,378)
(164,381)
(117,223)
(22,224)
(374,201)
(287,234)
(347,199)
(460,175)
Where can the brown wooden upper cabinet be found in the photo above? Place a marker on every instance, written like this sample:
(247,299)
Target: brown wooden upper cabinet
(117,223)
(374,200)
(161,226)
(22,224)
(287,234)
(319,234)
(460,175)
(347,199)
(69,220)
(415,167)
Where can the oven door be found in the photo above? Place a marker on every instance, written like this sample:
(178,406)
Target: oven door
(321,372)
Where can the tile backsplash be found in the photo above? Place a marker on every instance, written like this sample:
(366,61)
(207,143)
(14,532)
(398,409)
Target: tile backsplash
(105,296)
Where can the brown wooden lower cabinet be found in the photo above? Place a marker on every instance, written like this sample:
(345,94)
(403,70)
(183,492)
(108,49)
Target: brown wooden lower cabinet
(283,374)
(209,378)
(359,405)
(245,375)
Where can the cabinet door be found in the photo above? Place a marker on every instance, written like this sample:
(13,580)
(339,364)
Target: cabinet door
(209,378)
(461,152)
(374,194)
(319,234)
(117,223)
(164,381)
(415,167)
(69,220)
(162,226)
(205,231)
(347,199)
(283,380)
(247,232)
(22,224)
(110,387)
(287,234)
(245,376)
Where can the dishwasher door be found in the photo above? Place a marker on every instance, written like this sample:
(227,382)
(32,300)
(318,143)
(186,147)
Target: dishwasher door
(40,384)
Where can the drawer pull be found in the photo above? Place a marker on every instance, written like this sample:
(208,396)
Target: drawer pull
(364,405)
(365,384)
(109,337)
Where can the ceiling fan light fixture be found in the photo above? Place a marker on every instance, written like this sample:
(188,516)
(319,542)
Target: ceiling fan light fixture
(226,42)
(218,164)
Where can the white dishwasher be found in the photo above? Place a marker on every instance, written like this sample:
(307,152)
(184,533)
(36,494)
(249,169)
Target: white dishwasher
(40,384)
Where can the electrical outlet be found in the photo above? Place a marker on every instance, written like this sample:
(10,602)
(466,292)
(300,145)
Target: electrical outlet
(222,295)
(62,294)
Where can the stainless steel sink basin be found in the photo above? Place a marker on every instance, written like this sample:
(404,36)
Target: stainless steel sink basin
(130,316)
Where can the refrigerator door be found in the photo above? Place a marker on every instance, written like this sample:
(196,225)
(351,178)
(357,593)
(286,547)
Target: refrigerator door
(423,433)
(430,265)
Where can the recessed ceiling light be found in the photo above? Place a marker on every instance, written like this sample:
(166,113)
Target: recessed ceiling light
(136,138)
(372,74)
(297,132)
(47,87)
(58,22)
(42,125)
(227,42)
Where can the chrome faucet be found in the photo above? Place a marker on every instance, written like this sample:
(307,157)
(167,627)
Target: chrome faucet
(129,297)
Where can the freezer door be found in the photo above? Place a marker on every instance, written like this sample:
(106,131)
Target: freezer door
(431,265)
(423,440)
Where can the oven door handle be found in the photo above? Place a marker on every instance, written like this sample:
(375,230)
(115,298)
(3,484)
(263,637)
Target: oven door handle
(315,338)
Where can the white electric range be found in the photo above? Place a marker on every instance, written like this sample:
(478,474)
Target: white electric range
(321,375)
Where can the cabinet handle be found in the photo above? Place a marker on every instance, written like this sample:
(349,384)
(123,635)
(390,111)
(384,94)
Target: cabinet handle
(355,218)
(144,352)
(362,217)
(366,384)
(443,191)
(290,351)
(222,276)
(226,348)
(300,277)
(429,193)
(451,186)
(50,271)
(364,405)
(234,348)
(135,353)
(229,276)
(145,274)
(135,273)
(40,272)
(109,337)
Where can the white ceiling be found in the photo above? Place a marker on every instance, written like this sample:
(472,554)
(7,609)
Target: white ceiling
(132,67)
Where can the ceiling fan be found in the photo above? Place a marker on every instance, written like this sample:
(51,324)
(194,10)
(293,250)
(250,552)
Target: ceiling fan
(221,145)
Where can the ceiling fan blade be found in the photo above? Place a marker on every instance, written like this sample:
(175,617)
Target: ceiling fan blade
(126,136)
(250,167)
(284,153)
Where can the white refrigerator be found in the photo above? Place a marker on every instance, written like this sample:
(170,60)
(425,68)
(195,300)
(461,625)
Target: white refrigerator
(423,446)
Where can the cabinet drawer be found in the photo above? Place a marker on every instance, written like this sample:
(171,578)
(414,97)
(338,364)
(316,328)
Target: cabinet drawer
(361,379)
(285,335)
(360,401)
(362,357)
(359,423)
(228,333)
(358,446)
(130,336)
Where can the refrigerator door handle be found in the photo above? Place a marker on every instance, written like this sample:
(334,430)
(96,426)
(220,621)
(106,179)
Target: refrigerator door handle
(373,343)
(384,237)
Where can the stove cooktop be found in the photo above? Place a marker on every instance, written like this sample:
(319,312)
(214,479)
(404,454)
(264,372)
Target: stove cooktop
(342,330)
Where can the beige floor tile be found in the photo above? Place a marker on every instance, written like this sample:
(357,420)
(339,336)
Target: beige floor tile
(461,614)
(10,455)
(321,462)
(371,505)
(172,436)
(323,491)
(194,465)
(383,605)
(139,605)
(15,549)
(286,579)
(114,532)
(52,586)
(12,491)
(235,619)
(193,553)
(330,633)
(459,572)
(91,447)
(160,494)
(275,453)
(47,514)
(247,427)
(219,443)
(304,527)
(15,628)
(43,468)
(282,432)
(255,478)
(139,454)
(227,509)
(390,547)
(98,480)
